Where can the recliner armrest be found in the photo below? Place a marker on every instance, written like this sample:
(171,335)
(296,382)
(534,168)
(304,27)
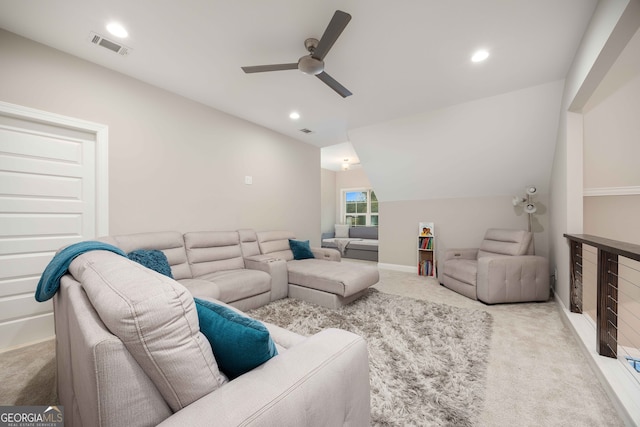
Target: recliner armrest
(512,279)
(465,253)
(277,269)
(327,254)
(322,381)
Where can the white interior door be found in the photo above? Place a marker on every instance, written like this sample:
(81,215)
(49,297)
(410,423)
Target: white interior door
(52,194)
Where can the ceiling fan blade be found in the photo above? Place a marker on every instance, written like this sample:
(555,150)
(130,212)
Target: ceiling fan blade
(273,67)
(334,29)
(333,84)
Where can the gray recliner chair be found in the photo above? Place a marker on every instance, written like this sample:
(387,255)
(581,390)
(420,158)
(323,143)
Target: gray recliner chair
(503,269)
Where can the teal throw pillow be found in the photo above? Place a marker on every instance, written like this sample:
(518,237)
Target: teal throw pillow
(300,249)
(152,258)
(239,343)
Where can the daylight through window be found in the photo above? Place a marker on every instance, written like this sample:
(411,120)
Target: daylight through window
(360,207)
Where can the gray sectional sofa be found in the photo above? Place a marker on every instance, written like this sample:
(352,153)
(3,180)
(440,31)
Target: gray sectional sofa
(130,352)
(247,269)
(360,243)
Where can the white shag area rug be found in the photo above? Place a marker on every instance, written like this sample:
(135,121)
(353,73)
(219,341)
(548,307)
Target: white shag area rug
(427,360)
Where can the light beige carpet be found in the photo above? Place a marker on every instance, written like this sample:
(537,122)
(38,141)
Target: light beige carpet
(537,374)
(427,361)
(28,375)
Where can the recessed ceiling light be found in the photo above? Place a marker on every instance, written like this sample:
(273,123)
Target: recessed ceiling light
(294,115)
(117,30)
(480,56)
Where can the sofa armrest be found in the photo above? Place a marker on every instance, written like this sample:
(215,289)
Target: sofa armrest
(277,269)
(322,381)
(327,254)
(512,279)
(466,253)
(328,235)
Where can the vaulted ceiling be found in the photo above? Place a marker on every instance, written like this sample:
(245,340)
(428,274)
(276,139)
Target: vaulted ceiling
(407,63)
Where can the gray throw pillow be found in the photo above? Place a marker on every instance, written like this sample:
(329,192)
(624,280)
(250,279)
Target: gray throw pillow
(342,231)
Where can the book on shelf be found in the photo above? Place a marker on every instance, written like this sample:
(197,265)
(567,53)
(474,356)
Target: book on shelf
(425,268)
(426,249)
(426,229)
(426,243)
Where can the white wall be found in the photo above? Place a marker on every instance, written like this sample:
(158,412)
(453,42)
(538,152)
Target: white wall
(459,223)
(611,153)
(174,164)
(611,136)
(459,167)
(613,24)
(328,205)
(493,146)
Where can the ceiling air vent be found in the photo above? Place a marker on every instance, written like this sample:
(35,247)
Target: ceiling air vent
(99,40)
(305,130)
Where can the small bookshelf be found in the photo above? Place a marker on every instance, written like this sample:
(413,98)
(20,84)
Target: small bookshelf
(426,249)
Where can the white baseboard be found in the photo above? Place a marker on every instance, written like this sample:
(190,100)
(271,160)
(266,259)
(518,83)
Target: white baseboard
(623,389)
(398,267)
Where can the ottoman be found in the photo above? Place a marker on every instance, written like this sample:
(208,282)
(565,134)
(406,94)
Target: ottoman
(323,280)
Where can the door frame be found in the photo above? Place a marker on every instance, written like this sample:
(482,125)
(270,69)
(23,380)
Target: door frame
(101,133)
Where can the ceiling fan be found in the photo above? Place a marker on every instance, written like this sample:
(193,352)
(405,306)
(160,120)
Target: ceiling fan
(313,63)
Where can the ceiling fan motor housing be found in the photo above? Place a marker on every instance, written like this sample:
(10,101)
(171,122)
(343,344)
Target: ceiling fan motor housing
(308,64)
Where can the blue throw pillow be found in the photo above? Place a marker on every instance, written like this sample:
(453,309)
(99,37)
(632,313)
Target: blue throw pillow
(154,259)
(239,343)
(300,249)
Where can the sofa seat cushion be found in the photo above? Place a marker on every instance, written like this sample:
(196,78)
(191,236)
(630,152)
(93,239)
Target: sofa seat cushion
(283,338)
(201,288)
(156,319)
(364,245)
(234,285)
(338,278)
(464,270)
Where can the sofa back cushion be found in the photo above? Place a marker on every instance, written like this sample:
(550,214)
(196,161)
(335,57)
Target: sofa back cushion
(156,319)
(249,242)
(363,233)
(170,243)
(213,251)
(506,242)
(93,364)
(276,244)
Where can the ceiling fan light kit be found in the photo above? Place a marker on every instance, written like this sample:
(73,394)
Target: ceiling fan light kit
(313,64)
(308,64)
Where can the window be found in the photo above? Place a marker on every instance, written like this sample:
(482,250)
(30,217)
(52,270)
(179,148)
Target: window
(360,207)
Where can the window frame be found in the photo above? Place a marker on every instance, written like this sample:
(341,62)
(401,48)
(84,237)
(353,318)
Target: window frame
(367,215)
